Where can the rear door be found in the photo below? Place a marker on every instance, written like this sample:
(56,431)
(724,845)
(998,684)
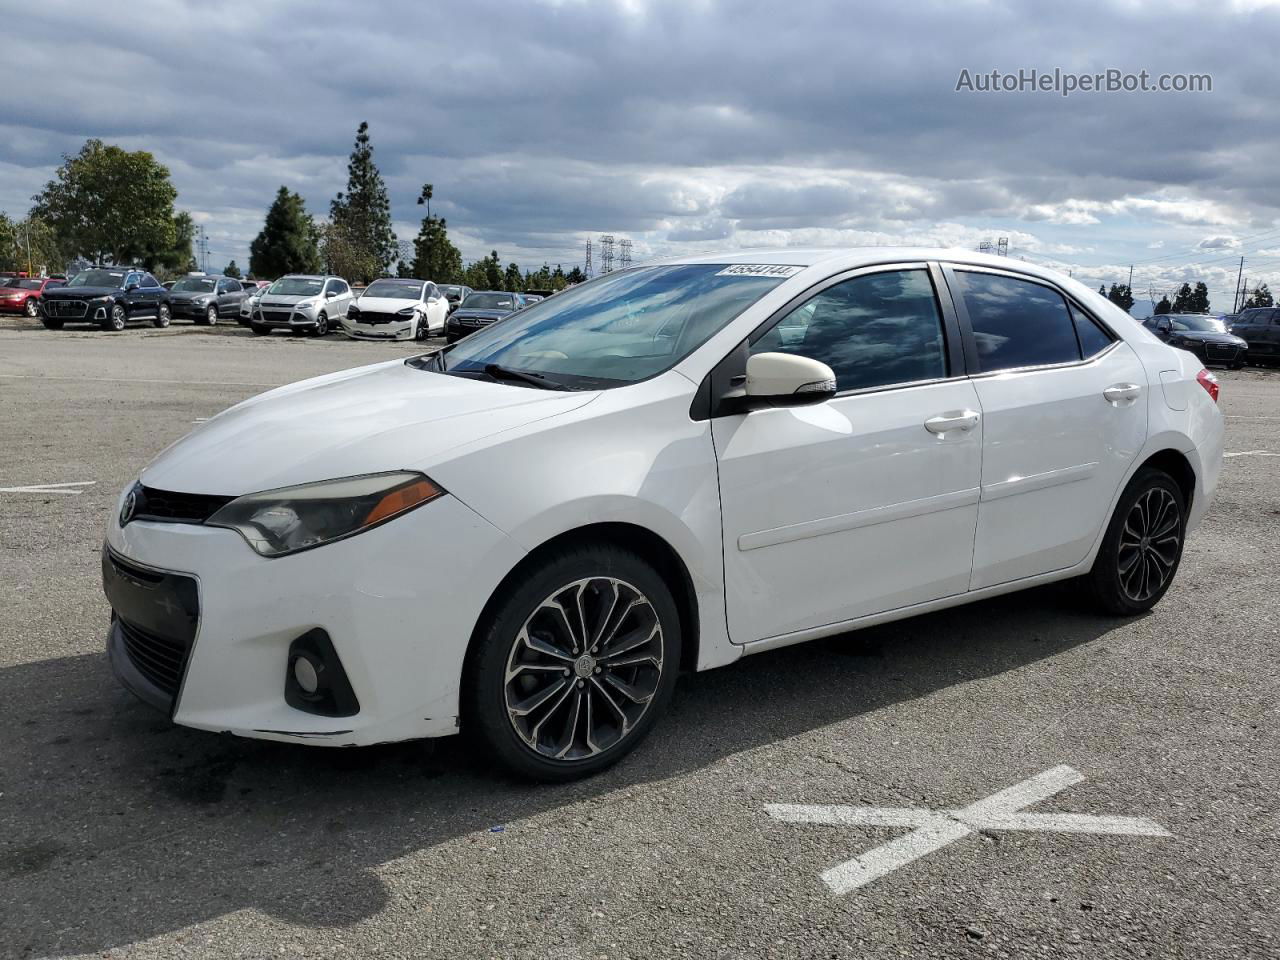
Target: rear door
(1064,414)
(867,502)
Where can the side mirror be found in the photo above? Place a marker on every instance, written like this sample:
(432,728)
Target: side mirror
(132,285)
(783,379)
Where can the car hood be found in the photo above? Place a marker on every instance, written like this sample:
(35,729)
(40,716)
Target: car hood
(465,314)
(388,416)
(181,295)
(385,304)
(287,300)
(79,293)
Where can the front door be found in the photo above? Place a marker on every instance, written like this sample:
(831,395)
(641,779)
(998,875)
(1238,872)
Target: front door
(1064,410)
(867,502)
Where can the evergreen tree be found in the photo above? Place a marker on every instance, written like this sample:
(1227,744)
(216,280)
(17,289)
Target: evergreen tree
(360,239)
(434,255)
(232,270)
(1121,296)
(1182,303)
(558,281)
(1200,298)
(1164,306)
(575,275)
(287,242)
(512,280)
(493,271)
(1102,290)
(1261,297)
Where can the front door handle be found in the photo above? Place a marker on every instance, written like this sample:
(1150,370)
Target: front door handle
(1121,392)
(963,420)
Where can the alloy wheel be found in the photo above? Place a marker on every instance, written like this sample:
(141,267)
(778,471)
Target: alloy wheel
(211,316)
(1150,542)
(117,317)
(584,668)
(322,325)
(32,308)
(162,315)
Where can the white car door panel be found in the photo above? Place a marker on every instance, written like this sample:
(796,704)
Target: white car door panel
(864,503)
(1057,440)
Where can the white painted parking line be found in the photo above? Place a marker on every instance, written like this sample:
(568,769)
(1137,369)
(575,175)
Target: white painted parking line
(185,383)
(935,829)
(73,488)
(1252,453)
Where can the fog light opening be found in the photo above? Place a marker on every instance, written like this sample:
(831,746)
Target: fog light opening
(315,681)
(307,674)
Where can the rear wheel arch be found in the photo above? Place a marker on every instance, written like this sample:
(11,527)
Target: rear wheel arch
(1176,465)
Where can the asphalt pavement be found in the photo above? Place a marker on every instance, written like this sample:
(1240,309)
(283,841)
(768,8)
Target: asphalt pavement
(122,835)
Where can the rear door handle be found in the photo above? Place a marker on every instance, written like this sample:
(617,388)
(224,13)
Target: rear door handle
(963,420)
(1122,392)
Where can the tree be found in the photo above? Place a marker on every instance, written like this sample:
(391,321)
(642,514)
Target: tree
(344,253)
(1121,296)
(287,242)
(361,217)
(558,281)
(493,271)
(434,255)
(232,270)
(1261,297)
(109,204)
(1200,298)
(512,280)
(176,256)
(1182,303)
(1164,306)
(575,276)
(30,245)
(1102,289)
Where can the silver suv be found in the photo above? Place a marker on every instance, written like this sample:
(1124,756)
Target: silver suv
(303,303)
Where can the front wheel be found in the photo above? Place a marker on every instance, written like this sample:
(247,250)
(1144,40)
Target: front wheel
(322,326)
(1236,365)
(575,664)
(1142,547)
(32,308)
(259,329)
(422,330)
(162,316)
(51,324)
(210,317)
(116,319)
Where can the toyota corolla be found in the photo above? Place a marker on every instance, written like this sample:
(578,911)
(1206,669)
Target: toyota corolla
(527,535)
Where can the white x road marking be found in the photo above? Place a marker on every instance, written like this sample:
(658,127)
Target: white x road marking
(71,489)
(934,829)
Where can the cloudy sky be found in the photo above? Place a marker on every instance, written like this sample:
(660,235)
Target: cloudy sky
(689,125)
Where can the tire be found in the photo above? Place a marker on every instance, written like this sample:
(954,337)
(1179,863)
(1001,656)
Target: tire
(322,325)
(1236,365)
(116,319)
(422,330)
(1143,541)
(210,317)
(162,316)
(31,308)
(577,728)
(51,324)
(259,329)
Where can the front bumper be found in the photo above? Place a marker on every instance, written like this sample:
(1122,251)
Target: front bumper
(13,306)
(378,331)
(281,319)
(187,309)
(1224,353)
(399,603)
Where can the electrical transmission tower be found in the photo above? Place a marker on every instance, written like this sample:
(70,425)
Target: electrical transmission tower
(1002,247)
(202,250)
(625,246)
(606,253)
(587,265)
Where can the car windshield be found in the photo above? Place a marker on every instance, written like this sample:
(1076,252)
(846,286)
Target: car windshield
(97,278)
(297,286)
(451,290)
(489,301)
(194,285)
(395,289)
(619,329)
(1183,322)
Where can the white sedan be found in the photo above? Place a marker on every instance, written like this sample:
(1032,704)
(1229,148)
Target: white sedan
(529,534)
(395,309)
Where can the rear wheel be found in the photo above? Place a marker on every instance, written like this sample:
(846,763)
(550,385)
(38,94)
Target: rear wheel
(575,664)
(162,316)
(1142,547)
(116,319)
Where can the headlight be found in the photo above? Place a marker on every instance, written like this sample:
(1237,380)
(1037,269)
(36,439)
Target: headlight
(279,522)
(353,309)
(304,305)
(406,312)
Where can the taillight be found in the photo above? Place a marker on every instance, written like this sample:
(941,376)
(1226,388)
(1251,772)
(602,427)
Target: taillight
(1209,382)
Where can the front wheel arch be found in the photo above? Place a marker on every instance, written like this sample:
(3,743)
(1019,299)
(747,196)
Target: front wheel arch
(646,544)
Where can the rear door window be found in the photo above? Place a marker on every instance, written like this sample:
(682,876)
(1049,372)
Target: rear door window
(1016,323)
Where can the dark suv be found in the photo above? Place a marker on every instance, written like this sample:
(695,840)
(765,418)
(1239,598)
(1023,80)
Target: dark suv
(206,299)
(1201,334)
(107,296)
(1260,328)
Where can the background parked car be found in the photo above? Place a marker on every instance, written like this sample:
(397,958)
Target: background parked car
(455,293)
(1203,335)
(111,297)
(1259,327)
(250,302)
(303,303)
(480,309)
(206,299)
(395,309)
(22,294)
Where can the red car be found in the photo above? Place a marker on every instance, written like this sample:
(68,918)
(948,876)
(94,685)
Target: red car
(22,294)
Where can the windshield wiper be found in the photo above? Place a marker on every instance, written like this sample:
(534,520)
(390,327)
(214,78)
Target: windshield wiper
(499,372)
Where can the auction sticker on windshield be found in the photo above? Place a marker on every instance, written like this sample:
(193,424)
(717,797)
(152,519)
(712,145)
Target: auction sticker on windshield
(759,270)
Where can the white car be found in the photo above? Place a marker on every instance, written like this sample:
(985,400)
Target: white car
(394,309)
(527,535)
(302,303)
(249,305)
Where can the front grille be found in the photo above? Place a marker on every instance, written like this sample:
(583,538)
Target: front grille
(66,309)
(172,507)
(1218,350)
(274,316)
(373,316)
(157,658)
